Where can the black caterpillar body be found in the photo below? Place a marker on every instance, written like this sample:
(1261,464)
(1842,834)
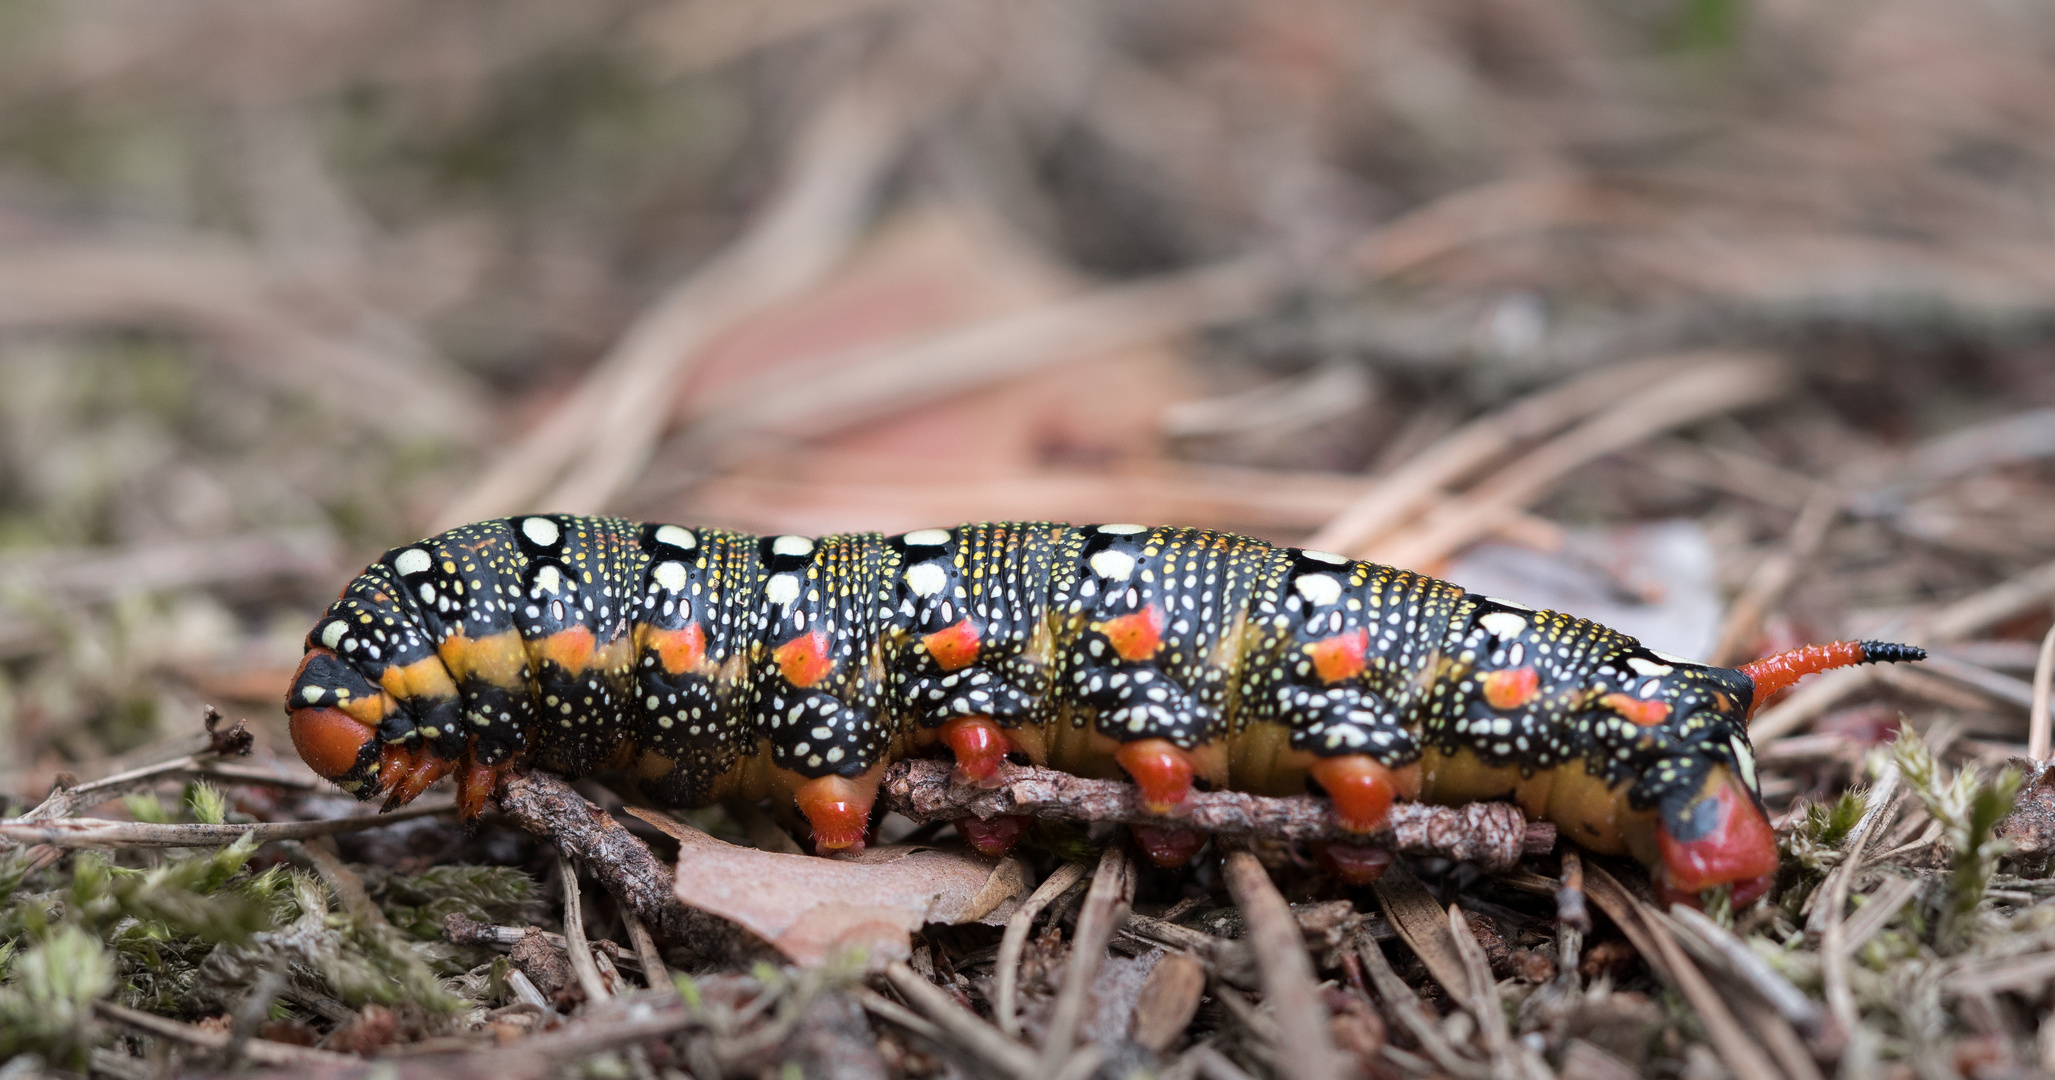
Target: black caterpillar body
(709,664)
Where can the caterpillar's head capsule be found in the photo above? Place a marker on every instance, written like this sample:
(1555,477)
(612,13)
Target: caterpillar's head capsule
(332,715)
(1716,835)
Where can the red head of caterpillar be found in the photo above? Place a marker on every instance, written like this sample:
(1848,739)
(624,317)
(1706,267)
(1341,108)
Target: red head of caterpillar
(707,665)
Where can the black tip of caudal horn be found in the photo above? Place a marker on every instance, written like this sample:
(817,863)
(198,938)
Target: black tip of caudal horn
(1885,652)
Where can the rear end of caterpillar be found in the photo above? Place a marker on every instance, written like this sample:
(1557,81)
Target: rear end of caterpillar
(708,665)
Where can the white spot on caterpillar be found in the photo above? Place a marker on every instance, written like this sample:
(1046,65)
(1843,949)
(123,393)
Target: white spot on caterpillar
(677,537)
(1672,657)
(333,632)
(1327,557)
(1503,624)
(791,545)
(1123,530)
(1321,589)
(1645,667)
(1113,565)
(312,694)
(926,538)
(670,575)
(782,589)
(541,530)
(927,579)
(1746,758)
(412,561)
(548,579)
(1515,605)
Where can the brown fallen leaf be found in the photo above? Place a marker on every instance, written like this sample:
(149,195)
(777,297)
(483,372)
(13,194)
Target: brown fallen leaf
(813,908)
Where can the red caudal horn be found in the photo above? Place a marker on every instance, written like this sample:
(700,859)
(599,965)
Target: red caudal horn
(1774,674)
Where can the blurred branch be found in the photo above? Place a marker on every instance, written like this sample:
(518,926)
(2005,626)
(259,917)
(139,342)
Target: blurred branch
(597,440)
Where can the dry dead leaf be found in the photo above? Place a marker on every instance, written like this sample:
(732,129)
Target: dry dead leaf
(812,908)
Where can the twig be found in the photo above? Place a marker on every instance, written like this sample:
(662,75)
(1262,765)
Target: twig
(575,945)
(1406,1004)
(605,432)
(654,974)
(103,832)
(1417,485)
(1740,1053)
(1716,383)
(1774,575)
(623,864)
(2044,681)
(1713,940)
(234,741)
(1106,903)
(981,1040)
(261,1051)
(1495,835)
(1005,1009)
(1305,1046)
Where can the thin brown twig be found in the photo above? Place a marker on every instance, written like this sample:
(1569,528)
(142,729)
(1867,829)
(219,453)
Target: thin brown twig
(1716,383)
(1495,835)
(2044,684)
(1305,1048)
(102,832)
(961,1026)
(575,945)
(1006,974)
(1417,485)
(261,1051)
(1106,903)
(1774,575)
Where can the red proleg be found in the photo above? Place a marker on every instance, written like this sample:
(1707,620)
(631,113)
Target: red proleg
(1353,864)
(994,836)
(1168,847)
(1160,769)
(1362,790)
(838,808)
(979,745)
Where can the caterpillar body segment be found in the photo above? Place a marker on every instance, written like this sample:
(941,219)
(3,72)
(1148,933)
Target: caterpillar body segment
(708,665)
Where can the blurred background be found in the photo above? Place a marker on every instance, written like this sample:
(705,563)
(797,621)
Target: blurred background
(1727,321)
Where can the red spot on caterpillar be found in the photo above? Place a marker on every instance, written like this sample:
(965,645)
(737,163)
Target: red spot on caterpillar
(1160,769)
(955,646)
(1722,839)
(979,745)
(993,836)
(570,648)
(1637,710)
(1168,846)
(1511,688)
(804,660)
(679,651)
(839,809)
(1135,636)
(1341,656)
(328,740)
(1362,790)
(1353,864)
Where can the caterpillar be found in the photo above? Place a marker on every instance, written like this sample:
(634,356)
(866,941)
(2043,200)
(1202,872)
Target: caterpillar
(708,665)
